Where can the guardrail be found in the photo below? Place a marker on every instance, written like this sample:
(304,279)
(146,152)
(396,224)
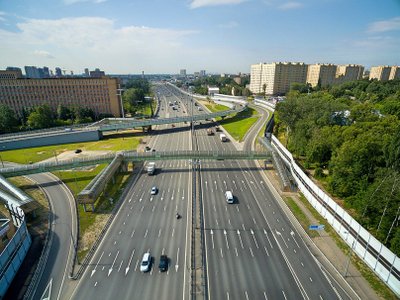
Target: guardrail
(383,262)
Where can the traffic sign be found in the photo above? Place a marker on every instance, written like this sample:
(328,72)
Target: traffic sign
(316,227)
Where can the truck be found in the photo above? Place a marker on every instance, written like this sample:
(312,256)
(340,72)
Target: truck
(210,131)
(151,168)
(223,137)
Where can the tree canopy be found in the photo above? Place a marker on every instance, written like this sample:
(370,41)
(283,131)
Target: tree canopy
(353,132)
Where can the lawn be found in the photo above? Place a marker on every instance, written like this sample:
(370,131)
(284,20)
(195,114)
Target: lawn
(213,107)
(32,155)
(238,124)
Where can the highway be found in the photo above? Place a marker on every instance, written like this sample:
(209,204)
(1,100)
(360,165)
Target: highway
(252,249)
(147,223)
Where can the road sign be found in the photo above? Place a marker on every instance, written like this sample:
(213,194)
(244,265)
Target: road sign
(316,227)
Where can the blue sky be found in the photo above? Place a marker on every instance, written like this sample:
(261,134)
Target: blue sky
(219,36)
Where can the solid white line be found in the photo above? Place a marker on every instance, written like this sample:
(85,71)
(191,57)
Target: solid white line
(120,265)
(222,255)
(265,296)
(247,296)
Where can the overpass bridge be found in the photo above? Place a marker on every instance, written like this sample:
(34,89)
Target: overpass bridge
(133,156)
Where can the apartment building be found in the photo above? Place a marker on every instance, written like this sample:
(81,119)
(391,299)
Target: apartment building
(381,73)
(276,78)
(349,72)
(99,94)
(324,74)
(394,73)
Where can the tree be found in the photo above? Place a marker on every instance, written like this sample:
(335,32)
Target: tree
(7,119)
(131,97)
(41,117)
(63,112)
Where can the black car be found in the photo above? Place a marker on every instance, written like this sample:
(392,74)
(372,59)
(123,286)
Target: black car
(147,148)
(163,265)
(78,151)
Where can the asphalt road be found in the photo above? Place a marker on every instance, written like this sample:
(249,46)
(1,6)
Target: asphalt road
(252,249)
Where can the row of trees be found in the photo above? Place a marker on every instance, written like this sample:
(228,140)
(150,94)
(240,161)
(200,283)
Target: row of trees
(43,116)
(225,84)
(350,135)
(136,90)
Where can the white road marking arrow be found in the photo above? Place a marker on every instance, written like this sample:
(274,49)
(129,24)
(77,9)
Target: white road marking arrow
(130,261)
(111,269)
(94,270)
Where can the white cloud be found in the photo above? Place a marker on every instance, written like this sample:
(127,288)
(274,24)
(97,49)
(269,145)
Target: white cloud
(229,25)
(383,26)
(43,53)
(92,42)
(290,5)
(203,3)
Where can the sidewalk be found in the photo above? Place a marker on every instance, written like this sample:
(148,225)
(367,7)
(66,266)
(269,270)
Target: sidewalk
(328,247)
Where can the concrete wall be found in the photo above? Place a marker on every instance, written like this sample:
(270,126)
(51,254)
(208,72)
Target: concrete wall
(50,139)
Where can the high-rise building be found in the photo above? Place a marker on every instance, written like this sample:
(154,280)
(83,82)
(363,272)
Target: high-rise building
(10,73)
(276,78)
(99,94)
(32,72)
(394,73)
(87,74)
(182,72)
(46,72)
(202,73)
(322,74)
(381,73)
(348,73)
(58,72)
(97,73)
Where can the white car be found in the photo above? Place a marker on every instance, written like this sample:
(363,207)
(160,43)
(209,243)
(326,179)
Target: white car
(146,262)
(154,190)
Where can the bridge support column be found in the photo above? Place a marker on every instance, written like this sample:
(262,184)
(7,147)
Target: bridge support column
(124,167)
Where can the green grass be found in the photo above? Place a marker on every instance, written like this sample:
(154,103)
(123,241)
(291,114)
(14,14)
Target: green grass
(300,216)
(25,156)
(238,124)
(213,107)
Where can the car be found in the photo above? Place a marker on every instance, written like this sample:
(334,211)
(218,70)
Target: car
(154,190)
(146,262)
(78,151)
(163,265)
(172,125)
(147,148)
(153,150)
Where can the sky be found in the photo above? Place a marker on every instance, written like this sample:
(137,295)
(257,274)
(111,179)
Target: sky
(219,36)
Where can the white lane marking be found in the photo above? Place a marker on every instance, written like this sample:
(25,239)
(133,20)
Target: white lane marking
(152,210)
(111,269)
(240,239)
(173,230)
(247,296)
(212,238)
(120,265)
(234,183)
(229,220)
(244,228)
(129,262)
(119,233)
(215,208)
(115,242)
(254,221)
(280,234)
(292,234)
(265,296)
(94,270)
(222,255)
(284,295)
(226,239)
(266,250)
(236,252)
(133,232)
(266,234)
(159,232)
(254,238)
(237,208)
(177,260)
(95,284)
(251,252)
(216,221)
(310,279)
(145,234)
(142,209)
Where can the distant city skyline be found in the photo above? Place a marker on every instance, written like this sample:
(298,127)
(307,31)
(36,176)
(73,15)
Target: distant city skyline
(219,36)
